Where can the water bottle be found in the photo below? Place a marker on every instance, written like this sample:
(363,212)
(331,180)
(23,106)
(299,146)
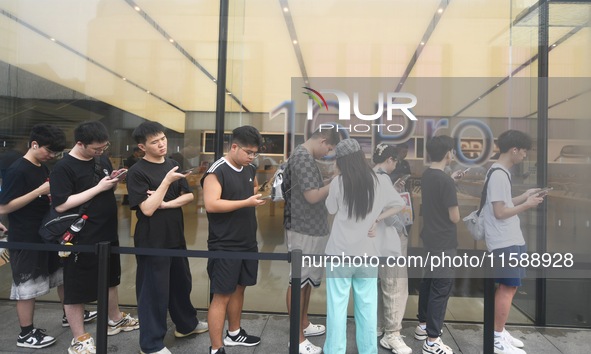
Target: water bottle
(68,236)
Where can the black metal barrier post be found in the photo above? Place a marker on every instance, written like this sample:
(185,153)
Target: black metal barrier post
(104,253)
(296,292)
(489,315)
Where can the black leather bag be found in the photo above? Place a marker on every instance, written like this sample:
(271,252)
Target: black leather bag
(55,224)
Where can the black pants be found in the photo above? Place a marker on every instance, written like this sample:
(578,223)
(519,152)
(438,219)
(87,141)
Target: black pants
(434,293)
(163,283)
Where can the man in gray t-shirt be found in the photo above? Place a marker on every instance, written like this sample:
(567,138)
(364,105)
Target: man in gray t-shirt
(503,233)
(305,220)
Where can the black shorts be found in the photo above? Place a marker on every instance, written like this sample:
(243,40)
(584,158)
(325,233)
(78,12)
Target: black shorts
(226,274)
(81,276)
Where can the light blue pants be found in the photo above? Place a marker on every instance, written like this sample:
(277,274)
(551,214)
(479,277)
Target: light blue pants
(365,300)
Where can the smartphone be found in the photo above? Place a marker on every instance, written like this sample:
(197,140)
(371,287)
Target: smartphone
(119,174)
(265,197)
(187,171)
(402,179)
(544,191)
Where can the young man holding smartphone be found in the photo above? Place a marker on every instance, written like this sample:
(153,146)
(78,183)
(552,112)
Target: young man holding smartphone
(229,187)
(83,175)
(24,197)
(503,230)
(157,192)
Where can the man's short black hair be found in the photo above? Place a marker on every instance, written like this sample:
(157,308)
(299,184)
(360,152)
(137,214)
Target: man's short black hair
(438,146)
(91,132)
(513,139)
(48,135)
(247,135)
(146,129)
(331,135)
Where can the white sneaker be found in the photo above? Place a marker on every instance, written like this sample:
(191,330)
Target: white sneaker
(306,347)
(82,345)
(125,324)
(421,334)
(502,346)
(512,340)
(161,351)
(202,327)
(437,348)
(314,330)
(395,343)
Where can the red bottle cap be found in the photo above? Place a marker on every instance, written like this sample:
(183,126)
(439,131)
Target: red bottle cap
(84,216)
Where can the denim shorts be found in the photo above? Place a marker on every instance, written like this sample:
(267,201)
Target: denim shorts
(503,272)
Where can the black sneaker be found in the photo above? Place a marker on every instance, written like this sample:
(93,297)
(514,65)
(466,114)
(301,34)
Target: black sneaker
(220,351)
(242,339)
(88,316)
(35,339)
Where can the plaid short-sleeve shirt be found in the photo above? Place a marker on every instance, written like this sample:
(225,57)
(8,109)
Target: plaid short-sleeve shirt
(302,174)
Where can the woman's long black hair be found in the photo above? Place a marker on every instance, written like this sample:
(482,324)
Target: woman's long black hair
(359,182)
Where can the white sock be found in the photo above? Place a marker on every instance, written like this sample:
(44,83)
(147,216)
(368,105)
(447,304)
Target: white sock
(423,327)
(498,334)
(213,351)
(430,343)
(234,333)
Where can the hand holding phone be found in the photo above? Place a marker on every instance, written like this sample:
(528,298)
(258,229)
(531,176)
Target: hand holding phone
(185,172)
(544,191)
(402,179)
(265,197)
(119,174)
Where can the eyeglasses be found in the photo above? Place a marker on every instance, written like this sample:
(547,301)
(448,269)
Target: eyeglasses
(100,149)
(249,153)
(51,152)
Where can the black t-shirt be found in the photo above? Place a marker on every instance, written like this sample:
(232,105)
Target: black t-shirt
(438,195)
(21,178)
(236,230)
(165,228)
(72,176)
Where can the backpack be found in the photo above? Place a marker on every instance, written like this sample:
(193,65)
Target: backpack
(475,221)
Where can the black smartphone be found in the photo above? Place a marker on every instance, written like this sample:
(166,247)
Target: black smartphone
(187,171)
(119,174)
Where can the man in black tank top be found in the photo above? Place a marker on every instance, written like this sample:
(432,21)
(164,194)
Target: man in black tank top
(229,196)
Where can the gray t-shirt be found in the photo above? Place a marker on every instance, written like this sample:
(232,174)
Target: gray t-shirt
(302,174)
(506,232)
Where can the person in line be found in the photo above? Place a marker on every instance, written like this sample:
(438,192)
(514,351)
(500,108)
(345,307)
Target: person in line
(306,221)
(229,187)
(157,192)
(134,157)
(393,281)
(503,233)
(441,213)
(360,201)
(401,171)
(24,197)
(84,174)
(130,161)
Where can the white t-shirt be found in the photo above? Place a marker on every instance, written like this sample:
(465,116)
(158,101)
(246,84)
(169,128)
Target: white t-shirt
(349,236)
(506,232)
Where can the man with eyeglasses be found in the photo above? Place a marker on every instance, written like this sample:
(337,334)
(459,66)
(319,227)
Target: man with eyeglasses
(25,198)
(83,175)
(229,196)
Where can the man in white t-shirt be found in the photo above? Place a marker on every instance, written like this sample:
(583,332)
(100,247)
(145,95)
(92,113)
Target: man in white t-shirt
(503,231)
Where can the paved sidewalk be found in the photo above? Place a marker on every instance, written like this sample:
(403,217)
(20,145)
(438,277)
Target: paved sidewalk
(274,331)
